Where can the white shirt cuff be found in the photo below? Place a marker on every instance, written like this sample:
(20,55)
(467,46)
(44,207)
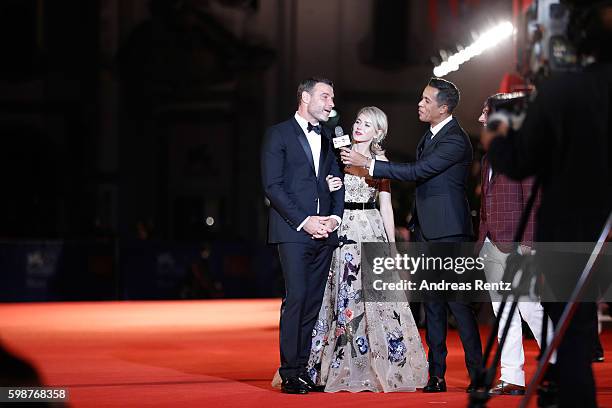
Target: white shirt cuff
(371,169)
(303,223)
(338,219)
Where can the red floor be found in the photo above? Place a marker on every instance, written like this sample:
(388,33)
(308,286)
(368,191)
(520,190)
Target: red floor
(196,354)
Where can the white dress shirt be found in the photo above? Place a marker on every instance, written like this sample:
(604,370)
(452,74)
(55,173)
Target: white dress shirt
(434,130)
(314,140)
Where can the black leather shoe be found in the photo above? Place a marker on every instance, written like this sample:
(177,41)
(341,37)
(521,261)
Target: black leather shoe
(293,385)
(548,395)
(312,387)
(470,388)
(435,384)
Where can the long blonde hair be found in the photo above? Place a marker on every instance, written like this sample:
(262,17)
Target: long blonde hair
(379,120)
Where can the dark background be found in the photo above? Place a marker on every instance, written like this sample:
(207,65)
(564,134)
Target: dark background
(130,129)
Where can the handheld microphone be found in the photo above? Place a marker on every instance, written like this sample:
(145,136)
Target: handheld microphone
(341,139)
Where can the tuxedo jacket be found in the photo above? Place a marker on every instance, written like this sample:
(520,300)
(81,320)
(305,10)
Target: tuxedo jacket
(290,183)
(440,172)
(502,201)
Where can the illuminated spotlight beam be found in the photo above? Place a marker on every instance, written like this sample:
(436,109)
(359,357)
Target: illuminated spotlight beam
(486,40)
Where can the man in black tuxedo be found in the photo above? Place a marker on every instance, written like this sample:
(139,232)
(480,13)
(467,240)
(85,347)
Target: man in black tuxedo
(441,214)
(296,157)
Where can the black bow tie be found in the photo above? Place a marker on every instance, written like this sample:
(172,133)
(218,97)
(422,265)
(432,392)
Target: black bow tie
(314,128)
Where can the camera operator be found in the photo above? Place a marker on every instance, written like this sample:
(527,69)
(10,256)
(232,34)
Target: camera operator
(565,141)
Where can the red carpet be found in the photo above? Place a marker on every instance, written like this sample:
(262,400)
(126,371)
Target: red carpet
(197,354)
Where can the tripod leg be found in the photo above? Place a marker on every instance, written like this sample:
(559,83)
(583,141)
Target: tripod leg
(486,376)
(566,318)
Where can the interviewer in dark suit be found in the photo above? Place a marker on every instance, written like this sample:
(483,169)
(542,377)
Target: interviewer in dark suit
(441,214)
(296,157)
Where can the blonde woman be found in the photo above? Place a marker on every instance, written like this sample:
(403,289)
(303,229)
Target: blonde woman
(357,345)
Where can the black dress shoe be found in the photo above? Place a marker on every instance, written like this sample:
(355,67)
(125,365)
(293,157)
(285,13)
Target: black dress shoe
(471,388)
(598,358)
(435,384)
(293,385)
(548,395)
(312,387)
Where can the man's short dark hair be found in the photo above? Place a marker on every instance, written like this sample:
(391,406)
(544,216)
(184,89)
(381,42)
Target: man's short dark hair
(448,94)
(308,85)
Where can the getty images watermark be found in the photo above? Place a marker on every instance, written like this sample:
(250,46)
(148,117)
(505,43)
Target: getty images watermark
(422,263)
(476,273)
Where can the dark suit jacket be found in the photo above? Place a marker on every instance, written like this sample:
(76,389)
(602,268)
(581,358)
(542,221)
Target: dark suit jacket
(290,183)
(440,172)
(501,205)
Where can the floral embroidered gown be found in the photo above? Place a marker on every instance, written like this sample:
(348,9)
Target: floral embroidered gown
(357,346)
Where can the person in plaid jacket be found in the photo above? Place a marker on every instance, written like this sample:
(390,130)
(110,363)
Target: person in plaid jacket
(502,203)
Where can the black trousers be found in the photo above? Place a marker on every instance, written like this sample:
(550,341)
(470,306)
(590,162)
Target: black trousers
(575,352)
(305,269)
(436,326)
(574,355)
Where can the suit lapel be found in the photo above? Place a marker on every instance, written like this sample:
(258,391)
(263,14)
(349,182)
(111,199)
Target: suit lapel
(304,142)
(324,150)
(420,146)
(440,135)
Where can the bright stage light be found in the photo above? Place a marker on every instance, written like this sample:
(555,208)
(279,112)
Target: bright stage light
(486,40)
